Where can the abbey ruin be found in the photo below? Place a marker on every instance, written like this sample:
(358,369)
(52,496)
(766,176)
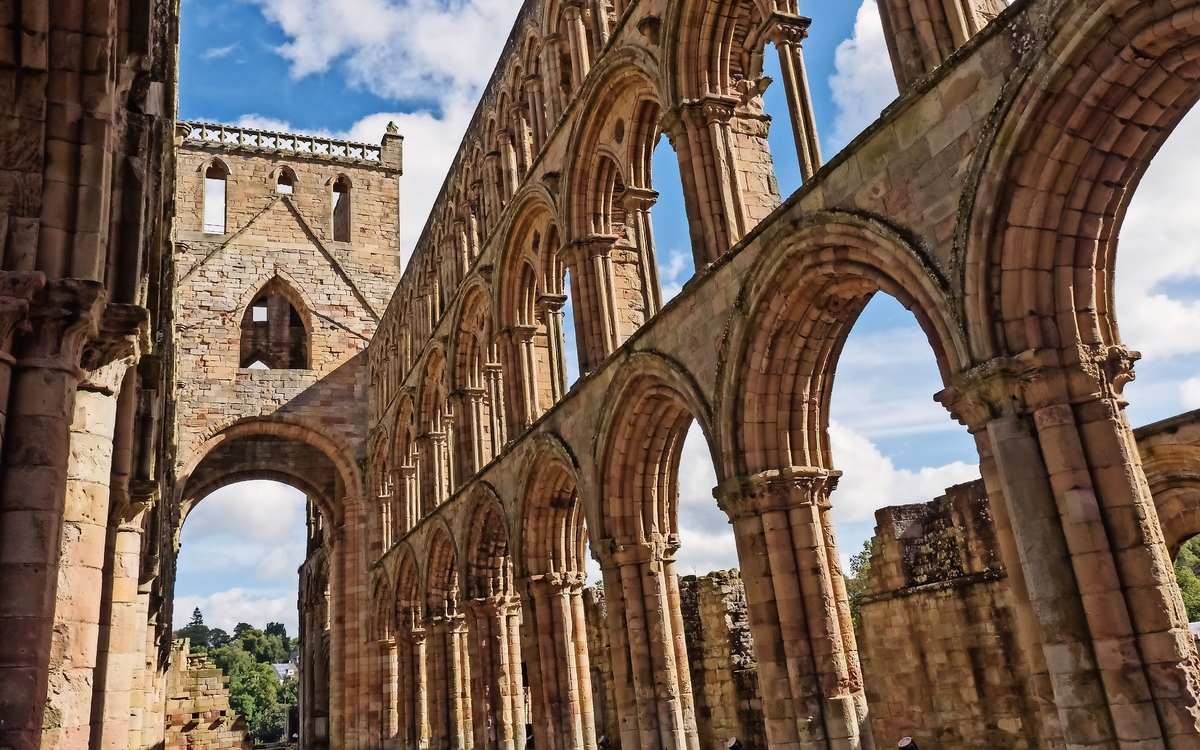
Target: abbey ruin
(186,305)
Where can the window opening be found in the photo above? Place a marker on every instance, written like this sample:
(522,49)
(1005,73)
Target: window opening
(341,210)
(273,333)
(215,178)
(286,183)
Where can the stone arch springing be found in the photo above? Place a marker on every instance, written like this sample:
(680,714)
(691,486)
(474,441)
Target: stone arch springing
(216,180)
(480,383)
(274,333)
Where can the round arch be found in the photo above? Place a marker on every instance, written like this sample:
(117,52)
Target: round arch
(1052,186)
(551,534)
(803,296)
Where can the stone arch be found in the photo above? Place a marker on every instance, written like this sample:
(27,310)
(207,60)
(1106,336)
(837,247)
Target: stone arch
(479,381)
(530,303)
(553,540)
(803,297)
(614,273)
(447,647)
(275,328)
(407,462)
(553,528)
(435,432)
(1079,132)
(1173,473)
(381,625)
(285,180)
(412,706)
(249,449)
(649,408)
(488,566)
(381,525)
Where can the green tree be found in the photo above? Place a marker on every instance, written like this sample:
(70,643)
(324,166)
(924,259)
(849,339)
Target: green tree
(196,631)
(254,693)
(232,659)
(856,583)
(1186,564)
(218,637)
(241,628)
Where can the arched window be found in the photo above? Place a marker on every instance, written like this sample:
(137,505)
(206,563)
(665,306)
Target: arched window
(273,333)
(285,182)
(341,210)
(215,178)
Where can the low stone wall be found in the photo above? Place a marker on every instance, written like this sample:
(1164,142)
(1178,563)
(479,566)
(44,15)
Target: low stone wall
(198,712)
(936,630)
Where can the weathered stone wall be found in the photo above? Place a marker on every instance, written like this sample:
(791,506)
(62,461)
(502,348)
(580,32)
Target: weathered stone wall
(936,628)
(721,660)
(198,713)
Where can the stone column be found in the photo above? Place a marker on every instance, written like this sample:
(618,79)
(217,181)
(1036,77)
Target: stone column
(508,163)
(413,689)
(412,497)
(555,106)
(556,653)
(16,290)
(807,658)
(537,112)
(1097,574)
(637,203)
(706,174)
(577,38)
(74,666)
(653,696)
(122,634)
(788,33)
(493,376)
(498,712)
(550,309)
(41,404)
(592,288)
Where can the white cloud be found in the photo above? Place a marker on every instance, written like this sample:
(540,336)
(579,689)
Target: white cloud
(1160,242)
(1189,393)
(863,82)
(225,609)
(214,53)
(266,512)
(399,49)
(675,268)
(871,481)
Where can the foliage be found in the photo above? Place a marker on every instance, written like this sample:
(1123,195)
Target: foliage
(255,690)
(1187,564)
(856,582)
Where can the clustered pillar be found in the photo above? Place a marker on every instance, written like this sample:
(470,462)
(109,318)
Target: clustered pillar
(1096,576)
(798,609)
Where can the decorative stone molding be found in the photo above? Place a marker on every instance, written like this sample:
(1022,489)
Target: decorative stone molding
(63,318)
(776,490)
(124,334)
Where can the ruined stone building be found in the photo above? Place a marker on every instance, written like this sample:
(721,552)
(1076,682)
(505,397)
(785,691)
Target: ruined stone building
(185,306)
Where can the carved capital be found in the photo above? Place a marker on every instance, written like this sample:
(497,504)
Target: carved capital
(776,491)
(1036,379)
(124,334)
(551,303)
(63,317)
(784,28)
(128,507)
(639,199)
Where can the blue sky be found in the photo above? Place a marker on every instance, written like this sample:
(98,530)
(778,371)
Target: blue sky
(347,67)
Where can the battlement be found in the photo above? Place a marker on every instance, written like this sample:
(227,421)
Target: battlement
(230,137)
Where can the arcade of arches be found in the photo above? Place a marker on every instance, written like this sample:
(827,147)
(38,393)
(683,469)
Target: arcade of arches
(152,269)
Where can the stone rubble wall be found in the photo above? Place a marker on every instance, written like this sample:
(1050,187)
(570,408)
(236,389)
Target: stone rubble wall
(936,630)
(198,712)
